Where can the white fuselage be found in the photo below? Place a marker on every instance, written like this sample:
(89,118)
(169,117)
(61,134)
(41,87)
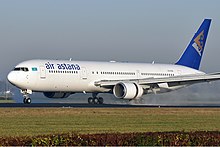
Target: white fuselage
(80,76)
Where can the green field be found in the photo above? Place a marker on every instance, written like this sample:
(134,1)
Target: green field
(36,121)
(7,101)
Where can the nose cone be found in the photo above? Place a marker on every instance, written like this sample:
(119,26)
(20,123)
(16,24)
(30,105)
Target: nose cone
(12,78)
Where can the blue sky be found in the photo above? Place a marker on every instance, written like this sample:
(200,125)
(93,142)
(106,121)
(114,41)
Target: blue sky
(121,30)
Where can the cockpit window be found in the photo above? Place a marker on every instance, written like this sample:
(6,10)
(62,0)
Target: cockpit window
(21,69)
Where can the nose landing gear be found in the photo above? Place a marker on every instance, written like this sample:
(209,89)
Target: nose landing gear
(27,99)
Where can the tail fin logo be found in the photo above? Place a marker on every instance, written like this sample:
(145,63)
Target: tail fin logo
(199,43)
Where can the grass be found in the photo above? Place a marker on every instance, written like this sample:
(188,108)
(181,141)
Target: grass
(7,101)
(38,121)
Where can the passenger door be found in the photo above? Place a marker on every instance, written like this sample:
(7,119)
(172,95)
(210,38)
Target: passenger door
(83,73)
(42,72)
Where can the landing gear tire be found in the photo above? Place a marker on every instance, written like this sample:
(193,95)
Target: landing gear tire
(101,100)
(27,100)
(96,100)
(90,100)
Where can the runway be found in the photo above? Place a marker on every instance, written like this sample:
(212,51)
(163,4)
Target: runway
(85,105)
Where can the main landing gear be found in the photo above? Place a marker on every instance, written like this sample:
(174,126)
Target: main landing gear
(27,99)
(95,100)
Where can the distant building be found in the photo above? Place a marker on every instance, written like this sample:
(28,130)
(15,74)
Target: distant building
(5,93)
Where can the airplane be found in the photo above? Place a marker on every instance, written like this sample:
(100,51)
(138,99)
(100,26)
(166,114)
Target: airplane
(128,81)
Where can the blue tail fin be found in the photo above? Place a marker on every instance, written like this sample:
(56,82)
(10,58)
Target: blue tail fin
(193,54)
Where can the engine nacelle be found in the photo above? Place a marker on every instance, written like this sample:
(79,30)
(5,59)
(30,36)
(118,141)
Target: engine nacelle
(128,90)
(56,94)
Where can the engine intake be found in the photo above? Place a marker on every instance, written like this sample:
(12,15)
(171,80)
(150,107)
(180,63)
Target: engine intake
(56,94)
(127,90)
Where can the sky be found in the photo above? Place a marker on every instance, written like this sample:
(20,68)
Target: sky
(104,30)
(121,30)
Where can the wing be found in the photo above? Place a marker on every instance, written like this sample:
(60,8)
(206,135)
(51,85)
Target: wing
(170,81)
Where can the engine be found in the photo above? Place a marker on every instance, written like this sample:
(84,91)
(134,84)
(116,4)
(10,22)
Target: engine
(56,94)
(127,90)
